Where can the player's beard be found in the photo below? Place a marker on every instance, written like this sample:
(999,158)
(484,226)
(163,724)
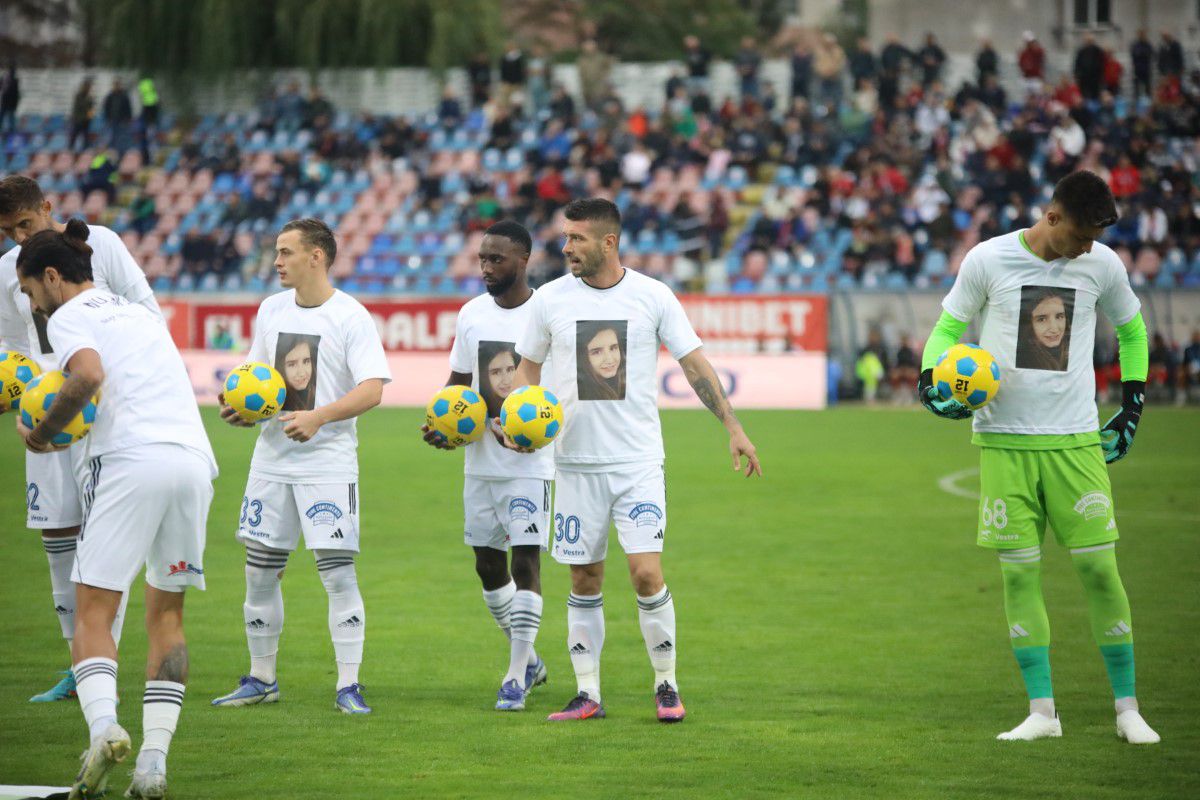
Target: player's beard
(500,285)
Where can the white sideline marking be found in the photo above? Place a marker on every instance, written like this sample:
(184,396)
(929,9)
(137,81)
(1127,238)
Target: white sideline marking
(949,483)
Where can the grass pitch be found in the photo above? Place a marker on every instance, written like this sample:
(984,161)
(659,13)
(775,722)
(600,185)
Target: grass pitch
(840,636)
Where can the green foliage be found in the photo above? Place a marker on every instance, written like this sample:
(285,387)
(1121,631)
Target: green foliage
(653,30)
(215,37)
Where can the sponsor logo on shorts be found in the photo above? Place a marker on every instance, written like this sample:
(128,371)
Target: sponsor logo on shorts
(1093,505)
(256,534)
(324,513)
(646,515)
(521,508)
(985,535)
(184,568)
(567,551)
(37,518)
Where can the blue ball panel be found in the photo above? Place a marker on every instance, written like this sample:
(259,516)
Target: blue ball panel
(503,416)
(470,396)
(231,382)
(441,407)
(966,366)
(24,374)
(527,412)
(262,373)
(62,439)
(551,399)
(552,429)
(89,413)
(27,420)
(943,390)
(523,440)
(255,402)
(995,370)
(976,398)
(48,401)
(281,396)
(466,425)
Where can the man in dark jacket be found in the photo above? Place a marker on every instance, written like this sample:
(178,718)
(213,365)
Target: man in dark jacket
(1141,56)
(987,62)
(10,98)
(118,113)
(1170,55)
(1089,68)
(862,62)
(931,57)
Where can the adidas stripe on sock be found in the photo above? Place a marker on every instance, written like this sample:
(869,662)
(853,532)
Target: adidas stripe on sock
(96,685)
(585,640)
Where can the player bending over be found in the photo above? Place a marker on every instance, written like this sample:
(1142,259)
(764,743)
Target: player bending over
(1042,459)
(304,473)
(603,325)
(150,472)
(53,480)
(506,496)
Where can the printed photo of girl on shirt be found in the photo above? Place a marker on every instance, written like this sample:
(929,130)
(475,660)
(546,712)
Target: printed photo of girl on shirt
(296,360)
(600,348)
(1044,331)
(497,368)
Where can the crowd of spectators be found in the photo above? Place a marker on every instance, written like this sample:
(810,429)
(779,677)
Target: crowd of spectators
(869,169)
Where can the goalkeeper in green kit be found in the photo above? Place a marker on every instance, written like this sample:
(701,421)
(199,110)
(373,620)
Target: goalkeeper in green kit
(1043,453)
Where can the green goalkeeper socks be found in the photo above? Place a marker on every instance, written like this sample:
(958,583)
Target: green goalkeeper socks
(1028,625)
(1108,608)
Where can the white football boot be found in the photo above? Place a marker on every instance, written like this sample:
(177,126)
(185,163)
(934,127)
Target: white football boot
(106,751)
(1133,729)
(1035,726)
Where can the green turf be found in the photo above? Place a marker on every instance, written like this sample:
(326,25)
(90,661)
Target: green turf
(840,636)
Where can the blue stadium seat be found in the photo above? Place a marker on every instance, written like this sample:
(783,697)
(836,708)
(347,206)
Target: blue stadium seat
(935,264)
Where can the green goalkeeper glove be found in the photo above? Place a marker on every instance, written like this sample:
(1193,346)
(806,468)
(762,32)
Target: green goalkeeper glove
(950,409)
(1116,437)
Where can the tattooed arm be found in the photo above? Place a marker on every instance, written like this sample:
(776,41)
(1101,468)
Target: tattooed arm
(703,378)
(84,378)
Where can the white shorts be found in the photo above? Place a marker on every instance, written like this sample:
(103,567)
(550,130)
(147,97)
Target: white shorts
(52,497)
(274,514)
(634,499)
(147,506)
(501,513)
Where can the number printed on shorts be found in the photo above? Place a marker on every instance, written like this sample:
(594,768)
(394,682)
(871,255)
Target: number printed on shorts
(251,512)
(566,528)
(994,514)
(31,498)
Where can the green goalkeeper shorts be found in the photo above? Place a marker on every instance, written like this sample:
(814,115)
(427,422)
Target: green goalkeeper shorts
(1021,490)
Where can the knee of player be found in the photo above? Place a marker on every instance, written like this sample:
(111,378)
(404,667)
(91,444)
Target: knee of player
(647,580)
(492,567)
(526,566)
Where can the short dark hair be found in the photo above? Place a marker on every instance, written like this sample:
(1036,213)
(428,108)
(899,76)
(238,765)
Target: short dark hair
(1085,197)
(68,252)
(594,209)
(513,231)
(315,234)
(18,193)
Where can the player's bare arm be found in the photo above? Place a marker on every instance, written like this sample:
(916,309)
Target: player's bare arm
(303,425)
(429,434)
(529,373)
(84,376)
(703,378)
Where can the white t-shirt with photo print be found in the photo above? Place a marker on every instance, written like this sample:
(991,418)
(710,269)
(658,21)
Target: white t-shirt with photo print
(485,331)
(323,353)
(610,395)
(1047,381)
(113,270)
(146,396)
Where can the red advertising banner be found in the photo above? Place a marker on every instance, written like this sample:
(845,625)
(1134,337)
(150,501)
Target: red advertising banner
(727,323)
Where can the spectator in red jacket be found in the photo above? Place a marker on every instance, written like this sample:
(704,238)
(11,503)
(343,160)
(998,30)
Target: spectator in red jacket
(1032,62)
(1112,72)
(1125,179)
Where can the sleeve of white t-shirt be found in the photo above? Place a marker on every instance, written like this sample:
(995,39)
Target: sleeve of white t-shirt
(69,332)
(364,350)
(460,359)
(124,275)
(969,292)
(258,342)
(13,333)
(1117,300)
(534,343)
(675,330)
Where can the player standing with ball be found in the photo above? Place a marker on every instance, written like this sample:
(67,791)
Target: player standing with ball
(150,472)
(602,326)
(304,474)
(506,496)
(1042,457)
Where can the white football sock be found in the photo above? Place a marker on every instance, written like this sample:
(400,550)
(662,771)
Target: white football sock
(96,684)
(585,640)
(60,552)
(656,614)
(499,602)
(526,618)
(347,619)
(263,609)
(161,704)
(1043,706)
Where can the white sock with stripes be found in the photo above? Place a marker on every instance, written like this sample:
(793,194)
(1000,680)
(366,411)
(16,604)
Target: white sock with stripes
(526,617)
(96,684)
(161,704)
(656,614)
(585,640)
(499,602)
(263,609)
(60,552)
(347,618)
